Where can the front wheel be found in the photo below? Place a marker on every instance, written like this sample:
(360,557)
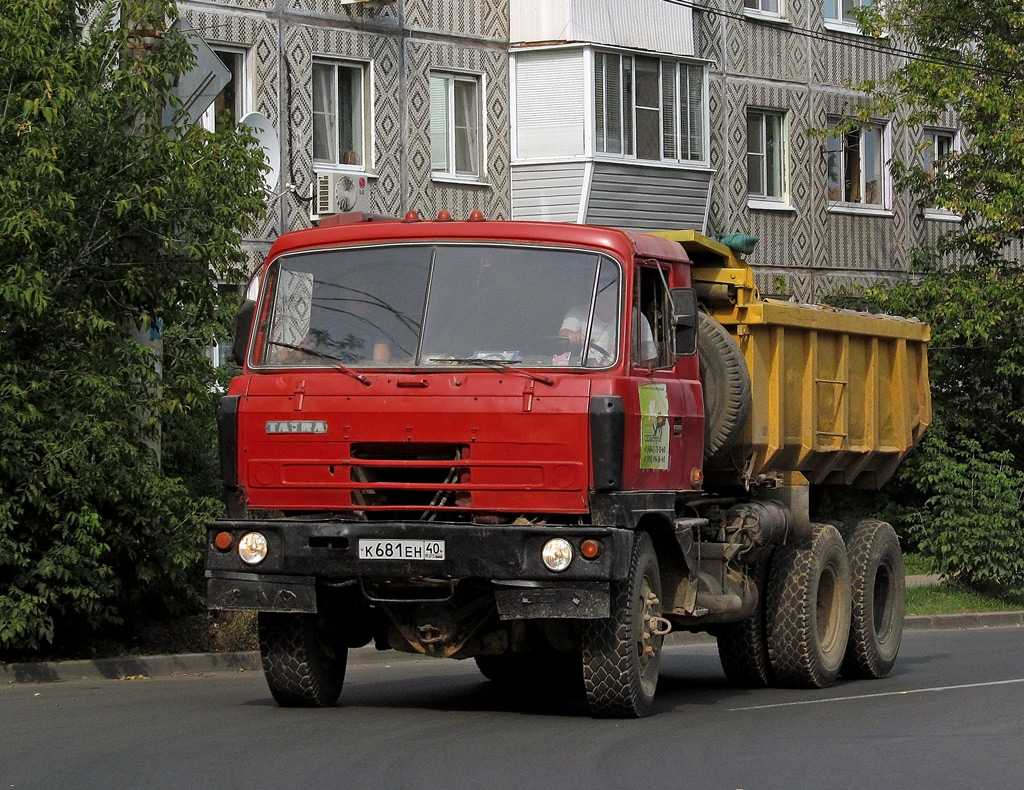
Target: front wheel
(621,653)
(879,600)
(303,660)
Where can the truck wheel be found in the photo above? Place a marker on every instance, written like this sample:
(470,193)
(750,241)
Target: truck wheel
(726,381)
(302,660)
(808,609)
(879,600)
(621,653)
(743,646)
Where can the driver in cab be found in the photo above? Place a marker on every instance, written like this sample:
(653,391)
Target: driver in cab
(604,333)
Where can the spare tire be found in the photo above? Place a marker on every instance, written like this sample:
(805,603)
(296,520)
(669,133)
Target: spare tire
(726,381)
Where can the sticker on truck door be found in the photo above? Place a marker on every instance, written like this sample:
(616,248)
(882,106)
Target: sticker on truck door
(654,430)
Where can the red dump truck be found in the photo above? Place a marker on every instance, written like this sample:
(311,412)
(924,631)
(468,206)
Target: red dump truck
(544,447)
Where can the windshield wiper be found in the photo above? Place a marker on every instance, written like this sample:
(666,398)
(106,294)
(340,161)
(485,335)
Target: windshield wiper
(497,365)
(334,362)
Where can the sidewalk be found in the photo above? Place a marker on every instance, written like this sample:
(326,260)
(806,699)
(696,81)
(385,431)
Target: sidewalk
(137,667)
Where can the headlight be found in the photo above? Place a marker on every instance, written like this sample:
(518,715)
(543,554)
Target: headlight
(557,554)
(252,548)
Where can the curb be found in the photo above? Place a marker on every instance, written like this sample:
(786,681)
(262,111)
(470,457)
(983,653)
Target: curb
(186,664)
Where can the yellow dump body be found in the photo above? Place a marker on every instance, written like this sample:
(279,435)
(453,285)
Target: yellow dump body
(837,395)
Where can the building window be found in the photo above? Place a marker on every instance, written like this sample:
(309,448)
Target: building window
(230,105)
(648,108)
(766,154)
(767,7)
(338,110)
(455,123)
(838,11)
(856,165)
(939,146)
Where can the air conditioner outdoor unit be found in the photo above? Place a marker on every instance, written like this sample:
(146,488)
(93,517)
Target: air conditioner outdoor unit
(337,193)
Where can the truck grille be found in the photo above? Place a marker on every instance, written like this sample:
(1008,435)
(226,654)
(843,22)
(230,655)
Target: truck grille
(389,478)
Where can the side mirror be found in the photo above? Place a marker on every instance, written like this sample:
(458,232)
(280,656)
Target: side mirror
(241,332)
(684,320)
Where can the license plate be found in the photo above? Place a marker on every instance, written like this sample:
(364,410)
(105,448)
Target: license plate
(401,549)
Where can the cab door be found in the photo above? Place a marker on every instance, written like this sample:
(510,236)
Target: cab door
(668,411)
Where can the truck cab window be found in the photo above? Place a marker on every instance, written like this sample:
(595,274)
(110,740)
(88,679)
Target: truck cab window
(651,318)
(450,304)
(360,308)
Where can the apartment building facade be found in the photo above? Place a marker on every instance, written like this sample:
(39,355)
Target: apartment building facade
(642,114)
(824,207)
(380,106)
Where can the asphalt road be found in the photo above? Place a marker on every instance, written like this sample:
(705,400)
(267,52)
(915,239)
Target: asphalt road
(950,716)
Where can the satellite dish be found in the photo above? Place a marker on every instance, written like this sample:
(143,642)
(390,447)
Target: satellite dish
(267,138)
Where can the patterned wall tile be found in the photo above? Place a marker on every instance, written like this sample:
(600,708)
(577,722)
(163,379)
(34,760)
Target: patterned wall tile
(332,11)
(487,19)
(755,64)
(426,195)
(304,43)
(284,37)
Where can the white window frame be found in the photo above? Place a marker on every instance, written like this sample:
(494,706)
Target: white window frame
(329,120)
(932,136)
(240,85)
(447,134)
(837,153)
(615,110)
(768,162)
(766,9)
(837,16)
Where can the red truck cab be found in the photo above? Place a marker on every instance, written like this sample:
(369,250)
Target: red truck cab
(435,418)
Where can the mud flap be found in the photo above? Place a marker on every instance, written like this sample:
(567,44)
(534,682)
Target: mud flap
(587,601)
(241,592)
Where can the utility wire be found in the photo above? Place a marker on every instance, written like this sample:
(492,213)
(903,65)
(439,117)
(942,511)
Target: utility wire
(841,40)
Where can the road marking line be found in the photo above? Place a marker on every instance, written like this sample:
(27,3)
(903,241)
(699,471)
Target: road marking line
(883,694)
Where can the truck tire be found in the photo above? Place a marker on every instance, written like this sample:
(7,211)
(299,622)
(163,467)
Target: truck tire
(302,660)
(621,653)
(879,600)
(743,646)
(808,609)
(726,381)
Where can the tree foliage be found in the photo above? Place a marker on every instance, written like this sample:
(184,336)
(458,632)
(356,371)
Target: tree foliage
(959,494)
(961,490)
(113,231)
(968,59)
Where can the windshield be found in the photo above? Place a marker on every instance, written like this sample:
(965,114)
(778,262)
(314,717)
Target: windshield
(440,305)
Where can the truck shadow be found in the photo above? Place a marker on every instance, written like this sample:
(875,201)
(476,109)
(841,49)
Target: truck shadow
(686,679)
(691,677)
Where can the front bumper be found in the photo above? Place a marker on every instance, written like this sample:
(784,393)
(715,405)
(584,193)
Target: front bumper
(302,552)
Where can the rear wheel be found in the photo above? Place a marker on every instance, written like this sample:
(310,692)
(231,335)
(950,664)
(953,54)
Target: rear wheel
(303,660)
(808,609)
(621,653)
(743,646)
(879,600)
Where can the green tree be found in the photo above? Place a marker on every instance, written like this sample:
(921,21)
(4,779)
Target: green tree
(961,490)
(965,57)
(113,231)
